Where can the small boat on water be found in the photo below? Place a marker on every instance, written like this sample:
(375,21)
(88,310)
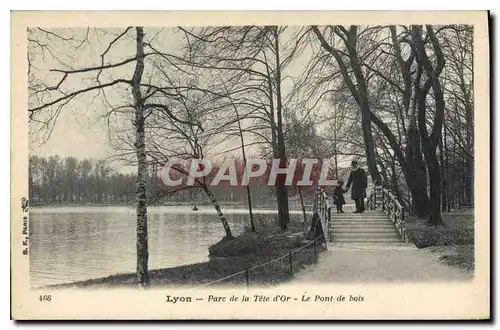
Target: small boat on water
(195,208)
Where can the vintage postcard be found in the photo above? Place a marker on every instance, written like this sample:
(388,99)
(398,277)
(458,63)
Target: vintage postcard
(250,165)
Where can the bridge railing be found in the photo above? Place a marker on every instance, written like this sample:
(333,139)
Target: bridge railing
(323,207)
(383,200)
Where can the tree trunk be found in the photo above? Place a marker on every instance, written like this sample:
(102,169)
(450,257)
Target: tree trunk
(470,181)
(216,205)
(249,199)
(463,175)
(447,172)
(443,178)
(369,145)
(359,92)
(335,145)
(415,167)
(243,153)
(142,218)
(430,141)
(303,206)
(433,168)
(434,217)
(282,189)
(364,105)
(336,163)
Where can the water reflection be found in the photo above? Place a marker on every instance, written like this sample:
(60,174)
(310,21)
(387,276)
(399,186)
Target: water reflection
(71,244)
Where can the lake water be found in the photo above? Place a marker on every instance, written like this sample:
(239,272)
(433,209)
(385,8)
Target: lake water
(77,243)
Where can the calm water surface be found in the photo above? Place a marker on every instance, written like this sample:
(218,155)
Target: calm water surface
(77,243)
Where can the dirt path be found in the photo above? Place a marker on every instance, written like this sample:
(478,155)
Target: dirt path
(372,263)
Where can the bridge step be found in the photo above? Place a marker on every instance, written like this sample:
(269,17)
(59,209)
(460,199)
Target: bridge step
(358,229)
(371,227)
(365,234)
(381,240)
(364,221)
(361,224)
(359,215)
(355,217)
(353,214)
(363,230)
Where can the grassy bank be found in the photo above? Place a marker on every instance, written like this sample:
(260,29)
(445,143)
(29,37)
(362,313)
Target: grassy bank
(226,258)
(461,256)
(454,241)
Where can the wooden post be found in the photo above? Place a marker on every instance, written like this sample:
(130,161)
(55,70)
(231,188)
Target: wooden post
(383,201)
(291,265)
(320,202)
(329,221)
(315,202)
(403,226)
(247,277)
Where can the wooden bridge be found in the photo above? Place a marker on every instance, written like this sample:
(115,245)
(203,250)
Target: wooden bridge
(383,222)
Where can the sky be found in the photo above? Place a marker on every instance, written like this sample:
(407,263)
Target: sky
(81,129)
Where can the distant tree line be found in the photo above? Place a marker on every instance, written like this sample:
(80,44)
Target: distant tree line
(55,179)
(69,180)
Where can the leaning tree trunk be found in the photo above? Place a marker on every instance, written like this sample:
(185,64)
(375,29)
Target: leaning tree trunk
(216,205)
(142,218)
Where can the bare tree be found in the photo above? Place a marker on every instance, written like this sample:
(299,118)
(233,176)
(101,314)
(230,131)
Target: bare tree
(175,138)
(255,57)
(50,93)
(430,140)
(358,89)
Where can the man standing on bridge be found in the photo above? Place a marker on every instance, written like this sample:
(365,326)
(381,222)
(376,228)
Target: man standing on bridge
(359,183)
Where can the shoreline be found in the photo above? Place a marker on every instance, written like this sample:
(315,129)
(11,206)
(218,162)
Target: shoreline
(257,252)
(132,205)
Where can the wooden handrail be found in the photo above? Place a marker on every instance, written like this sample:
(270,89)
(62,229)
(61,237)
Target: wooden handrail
(392,197)
(390,205)
(323,207)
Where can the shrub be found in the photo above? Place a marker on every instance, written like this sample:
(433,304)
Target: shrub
(255,244)
(263,224)
(424,236)
(246,243)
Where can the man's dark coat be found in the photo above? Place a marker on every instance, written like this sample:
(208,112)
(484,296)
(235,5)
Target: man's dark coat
(359,183)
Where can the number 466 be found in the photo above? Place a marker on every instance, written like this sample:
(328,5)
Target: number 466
(45,297)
